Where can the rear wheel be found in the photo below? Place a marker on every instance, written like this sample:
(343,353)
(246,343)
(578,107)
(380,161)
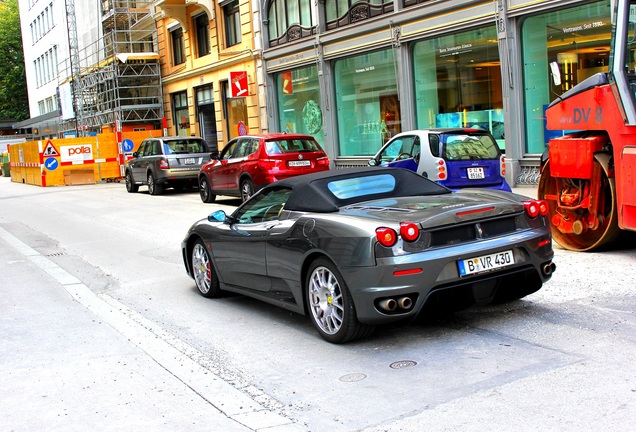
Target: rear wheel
(154,188)
(131,187)
(589,239)
(330,305)
(247,189)
(204,190)
(203,271)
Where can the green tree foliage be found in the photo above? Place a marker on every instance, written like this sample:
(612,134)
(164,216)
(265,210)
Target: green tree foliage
(14,103)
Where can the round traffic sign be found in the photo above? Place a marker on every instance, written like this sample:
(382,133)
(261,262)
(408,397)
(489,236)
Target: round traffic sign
(127,145)
(51,164)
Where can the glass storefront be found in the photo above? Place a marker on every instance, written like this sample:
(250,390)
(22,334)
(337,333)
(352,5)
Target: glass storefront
(367,102)
(458,82)
(299,105)
(578,39)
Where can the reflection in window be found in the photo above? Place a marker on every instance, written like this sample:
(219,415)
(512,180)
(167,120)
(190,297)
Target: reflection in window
(299,102)
(178,52)
(181,114)
(368,107)
(232,23)
(341,13)
(458,82)
(203,34)
(290,20)
(578,39)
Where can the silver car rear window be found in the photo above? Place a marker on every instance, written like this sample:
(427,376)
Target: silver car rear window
(184,146)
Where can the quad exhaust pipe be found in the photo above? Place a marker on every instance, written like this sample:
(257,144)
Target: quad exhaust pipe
(393,304)
(548,268)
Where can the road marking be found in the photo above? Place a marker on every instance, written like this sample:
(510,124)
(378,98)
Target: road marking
(167,350)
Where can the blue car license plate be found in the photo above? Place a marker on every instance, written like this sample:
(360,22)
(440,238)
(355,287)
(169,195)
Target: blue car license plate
(485,263)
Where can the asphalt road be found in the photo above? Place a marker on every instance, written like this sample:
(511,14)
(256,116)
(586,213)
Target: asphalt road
(103,330)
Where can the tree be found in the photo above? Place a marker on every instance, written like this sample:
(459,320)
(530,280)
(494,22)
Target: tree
(14,102)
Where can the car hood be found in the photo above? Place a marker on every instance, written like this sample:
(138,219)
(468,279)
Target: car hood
(436,210)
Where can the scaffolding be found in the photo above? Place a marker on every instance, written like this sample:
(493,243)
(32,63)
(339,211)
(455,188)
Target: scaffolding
(117,81)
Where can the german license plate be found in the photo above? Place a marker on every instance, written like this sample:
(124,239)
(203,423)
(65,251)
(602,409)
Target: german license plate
(485,263)
(189,161)
(299,163)
(475,173)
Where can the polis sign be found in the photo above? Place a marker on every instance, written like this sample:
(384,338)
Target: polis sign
(76,154)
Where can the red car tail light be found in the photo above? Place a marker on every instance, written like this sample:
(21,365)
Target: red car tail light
(386,236)
(163,164)
(536,208)
(268,164)
(409,231)
(322,162)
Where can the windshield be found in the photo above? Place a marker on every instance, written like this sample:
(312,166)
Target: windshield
(469,147)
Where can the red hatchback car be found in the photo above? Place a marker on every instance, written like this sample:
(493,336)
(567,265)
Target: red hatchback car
(249,162)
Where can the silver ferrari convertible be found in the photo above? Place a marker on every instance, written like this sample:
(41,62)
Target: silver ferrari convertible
(354,248)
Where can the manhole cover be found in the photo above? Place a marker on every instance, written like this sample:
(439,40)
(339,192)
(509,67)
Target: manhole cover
(352,377)
(402,364)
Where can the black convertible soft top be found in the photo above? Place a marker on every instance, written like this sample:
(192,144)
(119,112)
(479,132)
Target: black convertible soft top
(311,192)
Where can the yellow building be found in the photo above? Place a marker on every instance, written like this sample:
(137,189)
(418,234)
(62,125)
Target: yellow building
(211,68)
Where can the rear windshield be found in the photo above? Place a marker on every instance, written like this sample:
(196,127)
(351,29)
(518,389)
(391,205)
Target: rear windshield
(185,146)
(291,145)
(361,186)
(469,147)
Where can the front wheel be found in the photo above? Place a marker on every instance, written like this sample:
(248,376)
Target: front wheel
(154,188)
(247,189)
(203,272)
(204,190)
(589,239)
(330,305)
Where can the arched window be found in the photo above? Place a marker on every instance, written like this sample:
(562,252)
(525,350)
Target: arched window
(341,13)
(290,20)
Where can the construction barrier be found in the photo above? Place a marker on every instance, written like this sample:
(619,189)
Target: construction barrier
(73,161)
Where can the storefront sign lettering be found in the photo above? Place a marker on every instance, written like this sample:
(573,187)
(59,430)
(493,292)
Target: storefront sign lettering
(456,49)
(290,58)
(366,69)
(585,26)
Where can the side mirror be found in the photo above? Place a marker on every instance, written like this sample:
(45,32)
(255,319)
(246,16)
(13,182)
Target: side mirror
(214,155)
(373,162)
(416,158)
(218,216)
(135,154)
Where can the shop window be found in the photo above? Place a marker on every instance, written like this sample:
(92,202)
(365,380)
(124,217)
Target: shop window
(367,103)
(299,105)
(458,82)
(290,20)
(178,51)
(578,39)
(234,111)
(201,25)
(181,117)
(340,13)
(232,23)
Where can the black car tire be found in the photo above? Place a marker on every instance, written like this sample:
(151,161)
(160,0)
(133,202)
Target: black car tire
(203,271)
(246,190)
(154,188)
(330,305)
(131,187)
(204,190)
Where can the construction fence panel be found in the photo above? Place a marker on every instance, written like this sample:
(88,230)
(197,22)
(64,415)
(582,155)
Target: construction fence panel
(73,161)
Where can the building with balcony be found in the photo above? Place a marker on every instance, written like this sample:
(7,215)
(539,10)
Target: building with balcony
(211,67)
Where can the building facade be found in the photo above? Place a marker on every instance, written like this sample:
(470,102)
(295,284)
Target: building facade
(355,73)
(211,67)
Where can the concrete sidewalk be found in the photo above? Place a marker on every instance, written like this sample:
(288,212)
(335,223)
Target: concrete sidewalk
(71,360)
